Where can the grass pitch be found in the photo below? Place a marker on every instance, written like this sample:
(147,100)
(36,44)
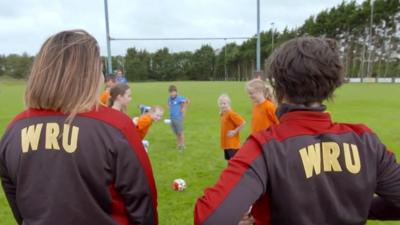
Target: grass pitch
(376,105)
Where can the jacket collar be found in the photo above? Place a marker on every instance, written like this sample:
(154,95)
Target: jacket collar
(288,112)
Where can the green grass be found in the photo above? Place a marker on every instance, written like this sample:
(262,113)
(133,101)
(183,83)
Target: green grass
(202,161)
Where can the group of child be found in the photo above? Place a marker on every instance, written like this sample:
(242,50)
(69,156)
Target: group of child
(60,163)
(119,95)
(263,116)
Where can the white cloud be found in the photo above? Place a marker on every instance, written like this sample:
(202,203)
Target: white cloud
(25,24)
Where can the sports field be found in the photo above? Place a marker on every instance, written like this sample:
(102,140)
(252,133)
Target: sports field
(377,105)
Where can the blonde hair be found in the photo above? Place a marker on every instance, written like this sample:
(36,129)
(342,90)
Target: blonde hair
(66,74)
(156,108)
(220,98)
(260,86)
(224,96)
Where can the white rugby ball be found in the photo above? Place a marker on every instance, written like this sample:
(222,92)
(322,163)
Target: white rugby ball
(167,121)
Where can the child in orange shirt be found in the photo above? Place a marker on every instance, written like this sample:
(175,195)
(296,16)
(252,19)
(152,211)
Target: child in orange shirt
(110,82)
(231,123)
(263,115)
(146,120)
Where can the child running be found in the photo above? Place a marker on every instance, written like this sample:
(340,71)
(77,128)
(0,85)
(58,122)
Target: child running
(231,124)
(263,115)
(146,120)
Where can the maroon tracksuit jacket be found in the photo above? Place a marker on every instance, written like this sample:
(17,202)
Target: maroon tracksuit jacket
(94,171)
(313,171)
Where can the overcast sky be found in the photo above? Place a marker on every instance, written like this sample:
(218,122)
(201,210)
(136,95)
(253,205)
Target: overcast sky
(25,24)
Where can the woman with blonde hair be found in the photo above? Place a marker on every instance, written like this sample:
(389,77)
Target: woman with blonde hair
(67,160)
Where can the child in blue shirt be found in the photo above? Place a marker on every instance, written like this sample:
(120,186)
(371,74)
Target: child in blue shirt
(177,107)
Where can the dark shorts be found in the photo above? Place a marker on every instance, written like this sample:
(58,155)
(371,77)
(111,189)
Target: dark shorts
(229,153)
(177,126)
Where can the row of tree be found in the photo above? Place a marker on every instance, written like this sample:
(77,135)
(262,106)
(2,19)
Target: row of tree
(16,66)
(163,65)
(368,34)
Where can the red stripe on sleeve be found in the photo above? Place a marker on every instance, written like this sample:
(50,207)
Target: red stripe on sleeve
(230,177)
(261,211)
(118,211)
(128,129)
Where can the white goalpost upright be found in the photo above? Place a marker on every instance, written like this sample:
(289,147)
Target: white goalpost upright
(109,64)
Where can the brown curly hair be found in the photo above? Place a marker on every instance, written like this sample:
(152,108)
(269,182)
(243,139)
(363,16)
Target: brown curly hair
(305,70)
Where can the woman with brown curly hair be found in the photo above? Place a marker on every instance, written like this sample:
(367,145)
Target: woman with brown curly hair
(309,169)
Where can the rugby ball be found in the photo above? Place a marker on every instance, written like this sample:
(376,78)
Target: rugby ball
(179,184)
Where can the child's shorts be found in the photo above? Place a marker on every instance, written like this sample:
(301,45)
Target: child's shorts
(177,126)
(229,153)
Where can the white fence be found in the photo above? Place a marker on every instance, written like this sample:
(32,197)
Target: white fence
(374,80)
(354,80)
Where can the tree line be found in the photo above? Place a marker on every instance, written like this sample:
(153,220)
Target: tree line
(369,47)
(16,66)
